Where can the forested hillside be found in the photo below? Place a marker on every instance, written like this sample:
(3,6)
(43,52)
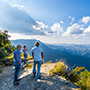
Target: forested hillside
(5,45)
(6,49)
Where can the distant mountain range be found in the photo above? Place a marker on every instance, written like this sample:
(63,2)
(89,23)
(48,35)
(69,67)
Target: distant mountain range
(83,50)
(70,54)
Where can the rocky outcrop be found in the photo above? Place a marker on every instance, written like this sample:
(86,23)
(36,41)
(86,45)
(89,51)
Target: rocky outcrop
(29,83)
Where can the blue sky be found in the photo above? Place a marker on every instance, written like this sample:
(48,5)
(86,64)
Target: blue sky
(65,21)
(56,9)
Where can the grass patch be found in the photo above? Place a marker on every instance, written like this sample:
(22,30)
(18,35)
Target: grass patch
(7,60)
(29,66)
(49,62)
(28,57)
(58,69)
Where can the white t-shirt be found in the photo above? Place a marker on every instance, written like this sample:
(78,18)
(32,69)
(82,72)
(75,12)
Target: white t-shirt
(37,53)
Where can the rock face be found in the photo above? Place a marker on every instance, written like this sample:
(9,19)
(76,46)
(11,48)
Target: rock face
(28,82)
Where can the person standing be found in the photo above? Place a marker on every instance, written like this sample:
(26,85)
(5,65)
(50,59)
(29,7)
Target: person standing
(37,54)
(25,54)
(17,64)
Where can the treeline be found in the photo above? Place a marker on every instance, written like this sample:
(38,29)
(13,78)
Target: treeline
(5,45)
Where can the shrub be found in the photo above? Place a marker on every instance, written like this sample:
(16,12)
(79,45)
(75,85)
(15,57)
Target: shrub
(29,66)
(84,82)
(28,58)
(73,76)
(58,69)
(3,52)
(49,62)
(79,76)
(5,45)
(7,60)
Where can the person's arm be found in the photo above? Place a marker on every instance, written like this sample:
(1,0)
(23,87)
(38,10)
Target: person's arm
(18,58)
(26,49)
(32,55)
(42,56)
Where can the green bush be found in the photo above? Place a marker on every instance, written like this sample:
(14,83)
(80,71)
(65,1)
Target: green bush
(84,82)
(49,62)
(58,69)
(74,76)
(29,66)
(79,76)
(28,57)
(3,52)
(7,60)
(5,45)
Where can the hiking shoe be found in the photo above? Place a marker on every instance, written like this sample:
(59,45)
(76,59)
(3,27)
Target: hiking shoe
(39,77)
(15,84)
(19,79)
(25,63)
(34,73)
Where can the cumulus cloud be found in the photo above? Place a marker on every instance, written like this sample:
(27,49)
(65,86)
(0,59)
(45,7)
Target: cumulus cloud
(75,29)
(40,26)
(61,22)
(87,30)
(85,19)
(15,18)
(56,29)
(72,19)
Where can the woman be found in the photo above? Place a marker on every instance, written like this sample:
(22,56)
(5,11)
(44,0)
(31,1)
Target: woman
(25,54)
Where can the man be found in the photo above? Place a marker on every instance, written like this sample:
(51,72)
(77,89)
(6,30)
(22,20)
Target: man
(17,64)
(37,54)
(25,54)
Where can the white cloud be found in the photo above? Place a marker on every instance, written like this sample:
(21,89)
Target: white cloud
(56,29)
(85,19)
(61,22)
(72,19)
(75,29)
(40,26)
(87,30)
(21,7)
(15,19)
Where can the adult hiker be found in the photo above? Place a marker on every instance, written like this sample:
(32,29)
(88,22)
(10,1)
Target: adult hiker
(37,54)
(25,53)
(17,64)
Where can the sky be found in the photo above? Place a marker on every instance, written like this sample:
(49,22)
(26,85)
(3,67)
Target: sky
(51,21)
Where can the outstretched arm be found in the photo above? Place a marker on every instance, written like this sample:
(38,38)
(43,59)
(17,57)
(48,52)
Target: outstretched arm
(32,55)
(26,49)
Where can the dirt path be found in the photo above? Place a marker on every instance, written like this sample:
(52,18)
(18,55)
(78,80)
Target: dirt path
(28,82)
